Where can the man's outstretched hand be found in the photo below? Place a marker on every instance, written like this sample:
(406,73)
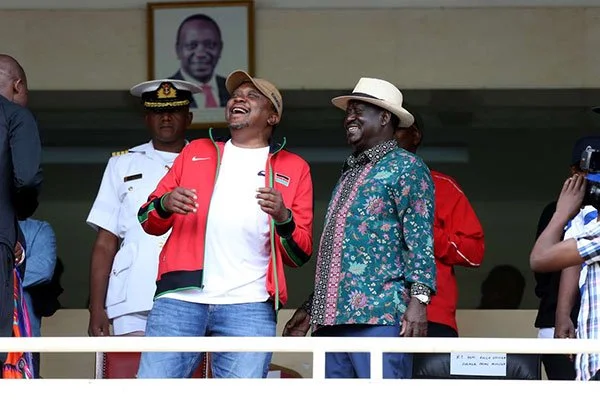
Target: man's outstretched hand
(180,201)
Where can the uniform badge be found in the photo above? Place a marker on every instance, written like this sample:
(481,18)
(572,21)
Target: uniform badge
(132,177)
(282,179)
(166,91)
(119,153)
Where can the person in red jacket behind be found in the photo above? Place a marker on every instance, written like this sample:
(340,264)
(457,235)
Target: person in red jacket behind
(238,210)
(458,239)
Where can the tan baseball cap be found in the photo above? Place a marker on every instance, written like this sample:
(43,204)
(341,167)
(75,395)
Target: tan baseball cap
(236,78)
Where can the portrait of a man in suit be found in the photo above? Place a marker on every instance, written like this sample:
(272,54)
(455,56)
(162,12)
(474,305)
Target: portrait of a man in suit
(198,46)
(201,43)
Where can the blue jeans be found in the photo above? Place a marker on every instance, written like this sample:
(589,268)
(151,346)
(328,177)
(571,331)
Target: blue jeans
(358,365)
(172,318)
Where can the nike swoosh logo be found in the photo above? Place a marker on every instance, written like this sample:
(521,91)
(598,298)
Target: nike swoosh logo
(200,158)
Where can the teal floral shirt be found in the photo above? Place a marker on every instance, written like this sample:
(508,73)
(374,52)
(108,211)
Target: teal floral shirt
(377,239)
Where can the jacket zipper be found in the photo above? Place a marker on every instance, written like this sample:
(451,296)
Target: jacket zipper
(207,211)
(272,226)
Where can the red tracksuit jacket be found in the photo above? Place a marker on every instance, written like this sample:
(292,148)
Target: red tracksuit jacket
(182,258)
(458,240)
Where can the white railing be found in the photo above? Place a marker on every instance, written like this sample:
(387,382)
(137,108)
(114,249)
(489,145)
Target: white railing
(301,388)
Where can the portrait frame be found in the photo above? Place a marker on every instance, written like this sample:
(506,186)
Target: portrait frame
(172,49)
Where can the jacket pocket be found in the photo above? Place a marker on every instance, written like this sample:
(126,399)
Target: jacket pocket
(119,276)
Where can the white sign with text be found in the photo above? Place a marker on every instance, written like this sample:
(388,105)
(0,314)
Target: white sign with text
(478,364)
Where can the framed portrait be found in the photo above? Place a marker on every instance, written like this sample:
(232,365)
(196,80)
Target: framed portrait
(201,42)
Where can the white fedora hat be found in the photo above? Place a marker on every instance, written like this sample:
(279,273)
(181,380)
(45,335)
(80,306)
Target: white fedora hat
(380,93)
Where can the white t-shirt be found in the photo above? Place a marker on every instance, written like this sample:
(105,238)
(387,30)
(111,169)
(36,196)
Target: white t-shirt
(237,246)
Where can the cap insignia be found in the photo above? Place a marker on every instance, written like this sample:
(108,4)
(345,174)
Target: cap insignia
(166,91)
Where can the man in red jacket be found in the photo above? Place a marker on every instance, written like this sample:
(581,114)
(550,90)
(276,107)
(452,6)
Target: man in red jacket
(238,209)
(458,239)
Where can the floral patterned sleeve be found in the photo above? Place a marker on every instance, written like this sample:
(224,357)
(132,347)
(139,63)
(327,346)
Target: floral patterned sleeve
(415,206)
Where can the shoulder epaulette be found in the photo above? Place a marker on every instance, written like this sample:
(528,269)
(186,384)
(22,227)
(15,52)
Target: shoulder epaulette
(119,153)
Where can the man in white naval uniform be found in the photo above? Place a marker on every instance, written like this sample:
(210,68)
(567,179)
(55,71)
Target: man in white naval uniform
(124,260)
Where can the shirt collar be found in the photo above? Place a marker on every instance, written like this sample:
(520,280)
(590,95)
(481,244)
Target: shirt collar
(148,149)
(374,154)
(212,81)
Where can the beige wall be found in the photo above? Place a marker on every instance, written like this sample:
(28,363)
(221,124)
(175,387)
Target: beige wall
(303,4)
(416,48)
(471,323)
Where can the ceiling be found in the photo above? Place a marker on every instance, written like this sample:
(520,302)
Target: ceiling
(307,4)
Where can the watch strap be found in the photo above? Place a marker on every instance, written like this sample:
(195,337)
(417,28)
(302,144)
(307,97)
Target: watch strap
(419,289)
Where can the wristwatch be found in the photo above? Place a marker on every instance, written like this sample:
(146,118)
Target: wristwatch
(421,293)
(423,298)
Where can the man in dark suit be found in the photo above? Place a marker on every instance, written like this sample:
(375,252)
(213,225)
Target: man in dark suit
(199,46)
(20,177)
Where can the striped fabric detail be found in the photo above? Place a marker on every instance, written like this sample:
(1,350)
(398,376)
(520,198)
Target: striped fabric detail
(294,252)
(144,211)
(583,228)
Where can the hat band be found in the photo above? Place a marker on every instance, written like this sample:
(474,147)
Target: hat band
(160,104)
(360,94)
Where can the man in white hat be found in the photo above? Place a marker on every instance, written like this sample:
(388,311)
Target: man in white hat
(239,208)
(124,260)
(375,265)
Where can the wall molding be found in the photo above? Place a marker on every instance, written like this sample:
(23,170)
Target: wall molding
(304,4)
